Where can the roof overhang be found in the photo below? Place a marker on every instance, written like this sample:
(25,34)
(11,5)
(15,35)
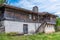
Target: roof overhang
(25,10)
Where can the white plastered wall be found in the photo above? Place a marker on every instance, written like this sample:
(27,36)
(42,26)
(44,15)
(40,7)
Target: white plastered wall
(16,26)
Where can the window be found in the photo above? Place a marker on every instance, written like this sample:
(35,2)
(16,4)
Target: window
(30,16)
(33,17)
(9,14)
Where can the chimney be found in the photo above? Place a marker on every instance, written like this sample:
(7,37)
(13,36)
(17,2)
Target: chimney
(35,9)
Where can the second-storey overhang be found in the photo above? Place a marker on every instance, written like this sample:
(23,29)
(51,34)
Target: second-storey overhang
(51,23)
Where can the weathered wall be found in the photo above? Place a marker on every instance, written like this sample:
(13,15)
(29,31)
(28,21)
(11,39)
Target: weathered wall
(14,26)
(49,29)
(12,14)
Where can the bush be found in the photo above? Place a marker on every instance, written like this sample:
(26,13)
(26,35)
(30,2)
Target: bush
(12,33)
(40,33)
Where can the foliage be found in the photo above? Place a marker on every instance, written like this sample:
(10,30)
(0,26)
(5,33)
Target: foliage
(2,1)
(57,24)
(12,33)
(53,36)
(58,21)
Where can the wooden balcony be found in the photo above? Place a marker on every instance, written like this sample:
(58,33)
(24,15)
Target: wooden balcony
(30,20)
(50,21)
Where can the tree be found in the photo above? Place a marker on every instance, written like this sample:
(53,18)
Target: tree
(2,1)
(58,22)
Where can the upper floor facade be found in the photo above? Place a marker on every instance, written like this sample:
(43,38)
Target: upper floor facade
(19,14)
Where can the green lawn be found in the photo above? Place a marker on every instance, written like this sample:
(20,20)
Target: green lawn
(53,36)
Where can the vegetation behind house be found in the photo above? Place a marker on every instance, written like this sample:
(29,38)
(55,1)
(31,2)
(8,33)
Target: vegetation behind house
(57,24)
(58,21)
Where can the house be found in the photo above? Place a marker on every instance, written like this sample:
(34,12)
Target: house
(23,21)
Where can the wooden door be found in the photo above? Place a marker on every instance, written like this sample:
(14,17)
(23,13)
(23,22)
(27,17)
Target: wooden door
(25,28)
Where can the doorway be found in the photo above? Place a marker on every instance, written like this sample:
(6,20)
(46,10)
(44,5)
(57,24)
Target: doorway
(25,28)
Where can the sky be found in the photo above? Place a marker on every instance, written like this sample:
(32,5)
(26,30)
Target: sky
(51,6)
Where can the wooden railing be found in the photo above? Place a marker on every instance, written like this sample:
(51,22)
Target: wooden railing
(42,25)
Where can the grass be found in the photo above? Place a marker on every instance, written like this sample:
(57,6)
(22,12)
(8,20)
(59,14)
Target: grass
(53,36)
